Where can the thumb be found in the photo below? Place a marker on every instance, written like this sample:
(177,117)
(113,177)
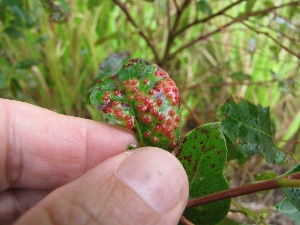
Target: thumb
(144,186)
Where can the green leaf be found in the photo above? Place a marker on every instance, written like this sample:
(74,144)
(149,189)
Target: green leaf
(266,175)
(228,221)
(41,39)
(3,80)
(204,7)
(91,4)
(141,97)
(13,3)
(112,64)
(15,87)
(2,13)
(203,155)
(59,10)
(21,17)
(249,5)
(13,32)
(269,3)
(292,11)
(249,128)
(240,75)
(27,63)
(287,208)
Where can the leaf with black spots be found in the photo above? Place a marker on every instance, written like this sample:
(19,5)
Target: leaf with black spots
(203,154)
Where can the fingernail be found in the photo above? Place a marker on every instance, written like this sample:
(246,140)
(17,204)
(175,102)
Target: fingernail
(156,176)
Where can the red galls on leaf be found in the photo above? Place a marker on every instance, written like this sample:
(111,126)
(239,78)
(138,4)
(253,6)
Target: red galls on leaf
(142,97)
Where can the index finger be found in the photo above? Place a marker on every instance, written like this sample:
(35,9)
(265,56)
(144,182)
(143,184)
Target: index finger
(42,149)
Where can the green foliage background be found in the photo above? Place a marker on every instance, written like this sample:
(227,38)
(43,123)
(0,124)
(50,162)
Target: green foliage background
(51,51)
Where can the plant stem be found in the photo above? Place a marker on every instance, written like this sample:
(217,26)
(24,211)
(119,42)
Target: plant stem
(269,36)
(172,31)
(235,20)
(221,12)
(287,181)
(141,33)
(240,83)
(185,221)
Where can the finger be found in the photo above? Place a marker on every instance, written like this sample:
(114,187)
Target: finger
(14,202)
(42,149)
(146,186)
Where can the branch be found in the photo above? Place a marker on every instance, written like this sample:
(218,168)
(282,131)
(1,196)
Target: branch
(287,181)
(179,13)
(235,20)
(168,15)
(176,5)
(239,83)
(171,36)
(192,113)
(272,38)
(221,12)
(140,32)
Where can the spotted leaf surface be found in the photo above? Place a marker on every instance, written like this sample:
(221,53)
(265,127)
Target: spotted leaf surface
(203,154)
(249,128)
(143,98)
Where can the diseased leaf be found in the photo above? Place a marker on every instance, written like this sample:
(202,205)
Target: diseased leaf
(249,128)
(203,155)
(141,97)
(234,153)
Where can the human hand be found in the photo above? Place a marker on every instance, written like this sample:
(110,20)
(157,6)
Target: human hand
(57,169)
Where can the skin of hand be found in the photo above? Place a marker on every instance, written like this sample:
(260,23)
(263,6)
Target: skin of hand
(57,169)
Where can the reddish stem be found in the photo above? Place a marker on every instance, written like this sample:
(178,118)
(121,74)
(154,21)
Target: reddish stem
(185,221)
(280,182)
